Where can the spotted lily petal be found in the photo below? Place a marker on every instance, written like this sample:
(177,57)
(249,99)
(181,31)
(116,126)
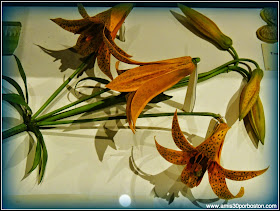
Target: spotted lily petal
(89,41)
(179,138)
(241,175)
(82,11)
(154,87)
(91,30)
(118,15)
(114,17)
(111,41)
(132,79)
(218,183)
(173,156)
(128,110)
(212,146)
(103,61)
(74,26)
(117,53)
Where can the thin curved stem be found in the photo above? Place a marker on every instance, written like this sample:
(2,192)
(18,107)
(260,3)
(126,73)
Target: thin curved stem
(247,66)
(236,57)
(61,122)
(250,60)
(110,101)
(230,52)
(71,105)
(14,130)
(78,70)
(241,71)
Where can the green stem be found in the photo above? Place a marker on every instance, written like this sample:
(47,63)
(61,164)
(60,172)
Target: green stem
(110,101)
(201,77)
(71,105)
(79,69)
(236,57)
(250,60)
(13,131)
(241,70)
(48,123)
(221,69)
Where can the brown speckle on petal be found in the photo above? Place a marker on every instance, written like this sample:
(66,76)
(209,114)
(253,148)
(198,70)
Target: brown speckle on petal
(103,60)
(218,183)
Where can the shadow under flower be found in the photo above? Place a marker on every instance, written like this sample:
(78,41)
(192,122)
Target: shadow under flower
(232,111)
(167,184)
(69,59)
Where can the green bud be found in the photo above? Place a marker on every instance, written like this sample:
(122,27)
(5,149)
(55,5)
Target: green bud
(205,27)
(257,120)
(250,93)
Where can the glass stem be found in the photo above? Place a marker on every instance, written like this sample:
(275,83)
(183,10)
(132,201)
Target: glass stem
(14,130)
(110,101)
(71,105)
(78,70)
(61,122)
(235,55)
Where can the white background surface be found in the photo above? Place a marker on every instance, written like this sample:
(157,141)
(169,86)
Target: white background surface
(88,164)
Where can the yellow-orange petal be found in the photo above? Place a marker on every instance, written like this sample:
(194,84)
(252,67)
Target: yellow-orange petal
(103,60)
(118,15)
(85,47)
(212,146)
(218,183)
(114,45)
(74,26)
(241,175)
(179,138)
(173,156)
(154,87)
(119,71)
(128,110)
(82,11)
(133,78)
(115,52)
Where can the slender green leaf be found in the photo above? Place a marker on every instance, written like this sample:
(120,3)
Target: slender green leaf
(14,84)
(160,97)
(23,76)
(15,98)
(43,162)
(44,153)
(37,157)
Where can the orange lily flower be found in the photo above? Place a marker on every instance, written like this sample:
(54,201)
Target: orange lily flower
(147,81)
(205,156)
(91,33)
